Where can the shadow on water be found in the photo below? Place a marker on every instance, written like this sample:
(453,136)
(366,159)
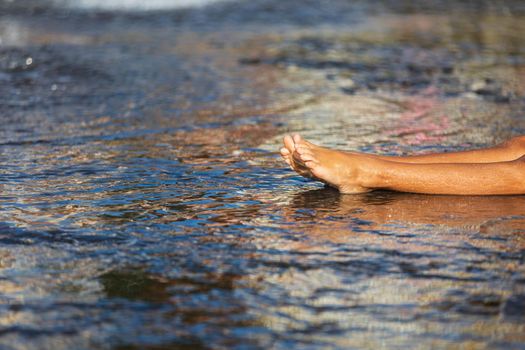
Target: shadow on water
(139,285)
(201,307)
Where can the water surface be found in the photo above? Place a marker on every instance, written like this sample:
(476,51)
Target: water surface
(143,204)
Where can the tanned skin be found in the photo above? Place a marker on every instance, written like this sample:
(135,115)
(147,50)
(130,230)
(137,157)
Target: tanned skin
(498,170)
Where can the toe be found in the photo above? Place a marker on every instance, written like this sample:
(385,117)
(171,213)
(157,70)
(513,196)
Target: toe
(287,159)
(296,157)
(289,143)
(306,156)
(297,138)
(305,143)
(284,152)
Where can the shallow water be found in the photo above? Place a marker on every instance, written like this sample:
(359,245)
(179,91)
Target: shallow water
(143,204)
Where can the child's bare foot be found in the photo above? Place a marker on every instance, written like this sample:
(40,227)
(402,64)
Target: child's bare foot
(335,168)
(287,154)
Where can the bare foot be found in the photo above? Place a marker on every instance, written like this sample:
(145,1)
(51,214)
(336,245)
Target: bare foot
(287,153)
(335,168)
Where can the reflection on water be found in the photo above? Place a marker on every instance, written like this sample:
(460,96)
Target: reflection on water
(142,204)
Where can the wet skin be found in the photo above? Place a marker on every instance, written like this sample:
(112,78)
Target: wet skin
(498,170)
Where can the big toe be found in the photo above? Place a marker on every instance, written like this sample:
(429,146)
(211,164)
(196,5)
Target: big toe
(297,138)
(289,143)
(299,141)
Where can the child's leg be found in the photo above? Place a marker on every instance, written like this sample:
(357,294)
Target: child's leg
(510,150)
(506,177)
(357,172)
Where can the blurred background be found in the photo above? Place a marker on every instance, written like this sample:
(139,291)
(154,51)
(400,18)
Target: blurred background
(143,204)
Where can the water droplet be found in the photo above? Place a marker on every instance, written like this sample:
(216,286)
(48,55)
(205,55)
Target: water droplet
(54,87)
(29,61)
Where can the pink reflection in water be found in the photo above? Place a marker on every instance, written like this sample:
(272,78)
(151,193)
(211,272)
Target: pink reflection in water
(418,124)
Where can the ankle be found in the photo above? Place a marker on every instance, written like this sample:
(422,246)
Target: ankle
(370,172)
